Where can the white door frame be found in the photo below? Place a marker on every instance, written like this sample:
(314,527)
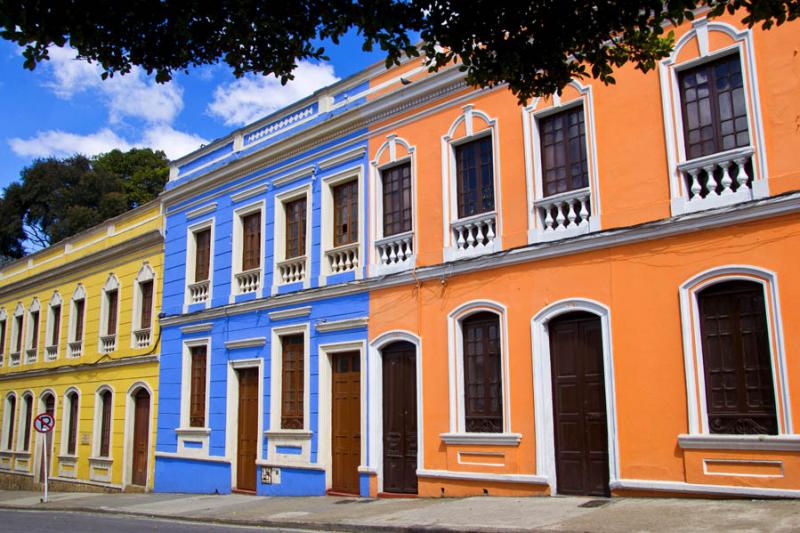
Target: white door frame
(130,421)
(232,414)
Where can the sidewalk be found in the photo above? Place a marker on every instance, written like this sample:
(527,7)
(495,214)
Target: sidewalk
(483,514)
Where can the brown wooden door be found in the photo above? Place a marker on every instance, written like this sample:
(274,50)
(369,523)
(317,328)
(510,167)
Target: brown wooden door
(579,405)
(44,468)
(346,422)
(248,429)
(141,430)
(400,418)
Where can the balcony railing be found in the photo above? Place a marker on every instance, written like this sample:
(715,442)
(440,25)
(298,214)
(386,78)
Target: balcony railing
(51,352)
(31,354)
(718,179)
(563,215)
(292,270)
(13,358)
(75,348)
(198,292)
(475,234)
(248,281)
(141,338)
(343,258)
(108,343)
(395,250)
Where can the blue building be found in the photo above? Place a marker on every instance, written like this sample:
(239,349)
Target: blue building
(264,332)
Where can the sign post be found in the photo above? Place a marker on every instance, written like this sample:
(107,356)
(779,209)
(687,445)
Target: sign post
(43,424)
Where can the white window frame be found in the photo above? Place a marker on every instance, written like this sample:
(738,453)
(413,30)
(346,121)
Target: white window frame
(16,332)
(146,273)
(449,142)
(393,152)
(539,109)
(28,346)
(78,294)
(67,409)
(52,350)
(693,358)
(22,413)
(191,259)
(354,173)
(7,419)
(669,70)
(237,249)
(112,283)
(458,433)
(6,337)
(279,237)
(186,432)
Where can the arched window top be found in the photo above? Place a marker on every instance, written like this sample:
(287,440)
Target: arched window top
(27,394)
(480,316)
(47,393)
(393,149)
(11,396)
(72,392)
(727,273)
(469,308)
(79,293)
(472,119)
(55,299)
(700,30)
(573,90)
(112,283)
(34,305)
(145,273)
(19,310)
(104,391)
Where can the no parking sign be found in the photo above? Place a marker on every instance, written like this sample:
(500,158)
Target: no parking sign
(44,423)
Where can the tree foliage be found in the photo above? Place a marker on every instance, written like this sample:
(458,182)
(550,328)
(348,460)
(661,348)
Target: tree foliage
(536,47)
(57,198)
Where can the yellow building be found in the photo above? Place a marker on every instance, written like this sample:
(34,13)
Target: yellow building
(79,338)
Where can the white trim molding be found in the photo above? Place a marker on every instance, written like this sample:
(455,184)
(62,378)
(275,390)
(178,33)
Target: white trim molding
(692,488)
(232,412)
(729,41)
(565,214)
(542,386)
(187,432)
(108,341)
(477,234)
(393,253)
(348,257)
(324,326)
(296,312)
(142,337)
(75,346)
(296,269)
(250,281)
(198,291)
(476,476)
(782,443)
(31,346)
(51,349)
(692,343)
(128,433)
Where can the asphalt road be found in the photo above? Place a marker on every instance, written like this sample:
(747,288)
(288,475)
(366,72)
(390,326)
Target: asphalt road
(42,521)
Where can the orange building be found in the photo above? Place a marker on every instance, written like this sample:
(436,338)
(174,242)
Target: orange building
(595,293)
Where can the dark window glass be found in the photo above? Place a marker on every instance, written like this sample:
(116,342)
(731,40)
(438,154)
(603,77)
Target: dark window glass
(56,330)
(345,213)
(79,307)
(34,324)
(147,304)
(296,228)
(563,140)
(72,431)
(396,199)
(11,405)
(475,177)
(105,423)
(483,386)
(202,254)
(740,395)
(2,336)
(26,444)
(197,395)
(112,297)
(18,322)
(714,107)
(251,239)
(292,385)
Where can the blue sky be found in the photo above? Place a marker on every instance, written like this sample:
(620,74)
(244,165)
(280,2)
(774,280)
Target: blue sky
(64,107)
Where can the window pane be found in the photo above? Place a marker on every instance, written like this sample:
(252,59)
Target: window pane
(345,213)
(147,304)
(251,241)
(56,310)
(79,306)
(35,329)
(483,388)
(292,384)
(105,425)
(2,336)
(72,433)
(112,297)
(11,405)
(26,444)
(295,228)
(396,199)
(563,149)
(475,177)
(202,260)
(197,394)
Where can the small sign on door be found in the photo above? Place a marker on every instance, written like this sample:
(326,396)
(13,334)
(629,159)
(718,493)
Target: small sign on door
(270,475)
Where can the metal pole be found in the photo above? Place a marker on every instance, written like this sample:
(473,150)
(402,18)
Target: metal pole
(44,467)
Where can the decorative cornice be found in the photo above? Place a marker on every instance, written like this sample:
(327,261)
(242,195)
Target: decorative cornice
(290,313)
(338,159)
(198,328)
(785,204)
(339,325)
(783,443)
(182,457)
(249,193)
(200,211)
(479,476)
(292,176)
(65,369)
(488,439)
(255,342)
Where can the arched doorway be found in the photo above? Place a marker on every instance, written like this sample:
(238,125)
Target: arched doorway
(141,432)
(579,404)
(47,404)
(399,418)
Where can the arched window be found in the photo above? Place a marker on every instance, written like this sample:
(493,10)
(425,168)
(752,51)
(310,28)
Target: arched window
(53,327)
(103,423)
(76,321)
(9,413)
(27,417)
(740,393)
(143,307)
(483,383)
(71,409)
(109,313)
(32,341)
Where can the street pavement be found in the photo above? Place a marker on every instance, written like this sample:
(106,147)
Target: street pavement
(480,514)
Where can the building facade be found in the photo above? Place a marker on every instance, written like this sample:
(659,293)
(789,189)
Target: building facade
(79,339)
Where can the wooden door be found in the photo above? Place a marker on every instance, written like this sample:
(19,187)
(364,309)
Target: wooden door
(346,428)
(579,405)
(400,418)
(44,468)
(141,431)
(248,429)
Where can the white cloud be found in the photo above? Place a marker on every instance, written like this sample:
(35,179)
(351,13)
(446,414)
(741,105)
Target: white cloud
(248,99)
(57,143)
(134,95)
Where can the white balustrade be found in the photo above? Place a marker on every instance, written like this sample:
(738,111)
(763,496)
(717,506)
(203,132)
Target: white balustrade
(141,338)
(51,351)
(248,281)
(395,249)
(75,348)
(198,292)
(31,355)
(13,358)
(564,214)
(292,270)
(343,259)
(476,233)
(717,179)
(108,343)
